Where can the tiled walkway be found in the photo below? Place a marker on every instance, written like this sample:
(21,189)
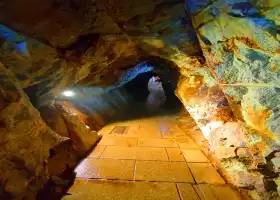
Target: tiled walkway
(150,159)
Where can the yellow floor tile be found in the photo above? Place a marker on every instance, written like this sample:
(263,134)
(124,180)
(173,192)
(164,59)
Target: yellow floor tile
(166,134)
(225,192)
(143,132)
(163,171)
(78,183)
(106,169)
(186,143)
(216,192)
(187,191)
(175,154)
(205,192)
(194,155)
(137,153)
(121,190)
(205,173)
(153,154)
(106,130)
(118,141)
(84,169)
(97,151)
(176,131)
(175,128)
(156,142)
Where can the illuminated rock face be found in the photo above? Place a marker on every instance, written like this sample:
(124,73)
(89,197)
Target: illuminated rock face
(240,41)
(227,53)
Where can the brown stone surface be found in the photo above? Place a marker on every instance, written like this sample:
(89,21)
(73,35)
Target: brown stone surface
(205,173)
(194,155)
(144,132)
(106,130)
(97,151)
(187,191)
(163,171)
(147,171)
(216,192)
(139,153)
(175,154)
(117,190)
(186,142)
(150,142)
(118,141)
(106,169)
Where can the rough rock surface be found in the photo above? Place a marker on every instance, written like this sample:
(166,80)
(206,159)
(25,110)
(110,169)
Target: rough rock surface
(83,138)
(240,41)
(25,142)
(85,48)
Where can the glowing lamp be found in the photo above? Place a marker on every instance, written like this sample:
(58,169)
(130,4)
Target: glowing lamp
(68,93)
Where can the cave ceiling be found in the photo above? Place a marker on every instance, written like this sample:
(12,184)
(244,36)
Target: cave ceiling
(61,43)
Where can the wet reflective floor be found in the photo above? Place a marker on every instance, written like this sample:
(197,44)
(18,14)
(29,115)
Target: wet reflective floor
(152,158)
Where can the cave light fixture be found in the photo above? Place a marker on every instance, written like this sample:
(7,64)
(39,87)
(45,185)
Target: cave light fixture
(68,93)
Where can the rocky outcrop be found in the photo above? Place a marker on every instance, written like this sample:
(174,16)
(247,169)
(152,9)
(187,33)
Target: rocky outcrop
(31,153)
(240,41)
(25,142)
(65,156)
(82,137)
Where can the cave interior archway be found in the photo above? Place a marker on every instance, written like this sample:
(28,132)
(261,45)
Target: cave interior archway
(127,99)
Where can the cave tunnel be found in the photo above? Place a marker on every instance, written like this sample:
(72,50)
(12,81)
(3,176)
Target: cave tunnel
(146,89)
(117,99)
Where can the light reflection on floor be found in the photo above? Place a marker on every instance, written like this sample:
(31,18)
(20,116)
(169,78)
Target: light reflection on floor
(155,159)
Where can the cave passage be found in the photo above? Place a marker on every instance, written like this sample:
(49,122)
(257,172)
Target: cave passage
(146,94)
(96,83)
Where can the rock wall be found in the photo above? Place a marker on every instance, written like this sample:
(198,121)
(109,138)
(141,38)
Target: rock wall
(240,41)
(25,142)
(32,154)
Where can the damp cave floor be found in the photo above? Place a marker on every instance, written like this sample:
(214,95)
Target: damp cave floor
(152,159)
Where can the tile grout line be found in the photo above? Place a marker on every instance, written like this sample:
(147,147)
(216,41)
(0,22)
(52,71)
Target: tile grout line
(103,152)
(189,169)
(175,161)
(135,181)
(194,162)
(178,191)
(134,172)
(191,173)
(127,130)
(178,146)
(196,192)
(147,146)
(134,159)
(112,130)
(167,154)
(161,134)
